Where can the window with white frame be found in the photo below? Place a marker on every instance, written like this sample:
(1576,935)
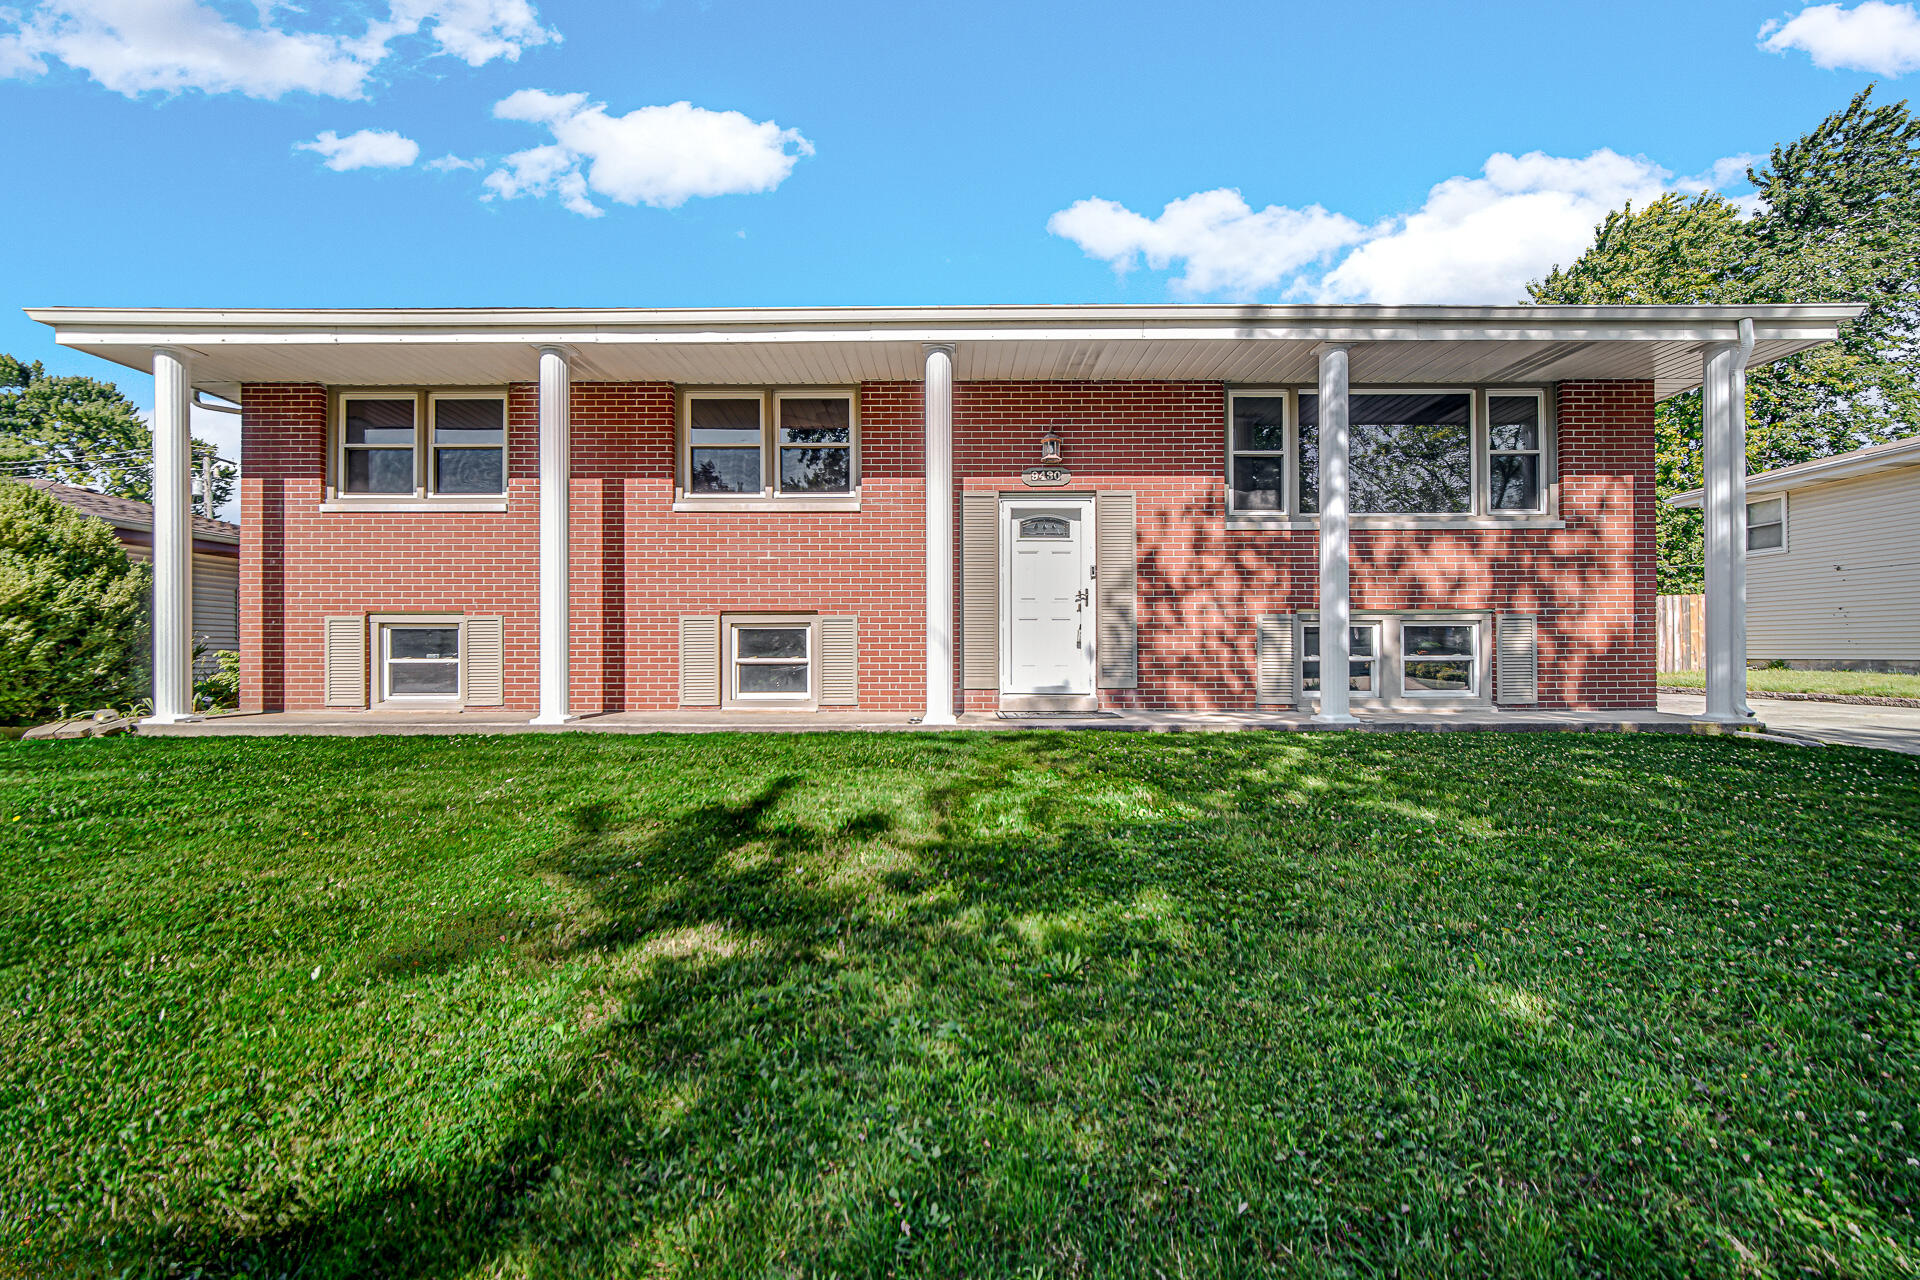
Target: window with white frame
(1363,666)
(420,444)
(769,444)
(1415,657)
(1446,453)
(419,662)
(1767,524)
(1439,658)
(770,661)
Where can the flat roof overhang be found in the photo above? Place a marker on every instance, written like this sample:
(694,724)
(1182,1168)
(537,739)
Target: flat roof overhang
(1247,345)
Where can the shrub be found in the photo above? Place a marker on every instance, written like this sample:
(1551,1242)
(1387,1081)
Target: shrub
(72,610)
(221,690)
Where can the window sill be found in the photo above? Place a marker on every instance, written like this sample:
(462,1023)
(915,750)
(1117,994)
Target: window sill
(1240,521)
(375,505)
(848,502)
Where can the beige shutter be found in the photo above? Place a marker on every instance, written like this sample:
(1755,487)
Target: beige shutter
(839,662)
(346,662)
(980,591)
(485,662)
(1517,658)
(1114,560)
(700,661)
(1274,667)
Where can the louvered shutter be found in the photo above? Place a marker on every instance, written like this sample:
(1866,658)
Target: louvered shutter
(980,591)
(839,662)
(1517,658)
(700,661)
(1274,665)
(1114,561)
(346,662)
(486,662)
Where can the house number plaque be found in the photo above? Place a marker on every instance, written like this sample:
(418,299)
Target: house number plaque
(1045,477)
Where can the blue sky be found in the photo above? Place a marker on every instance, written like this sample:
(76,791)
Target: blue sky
(870,153)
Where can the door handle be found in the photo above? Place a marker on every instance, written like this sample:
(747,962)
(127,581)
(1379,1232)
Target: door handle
(1080,598)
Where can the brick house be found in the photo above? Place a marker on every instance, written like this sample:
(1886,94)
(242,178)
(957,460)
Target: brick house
(950,509)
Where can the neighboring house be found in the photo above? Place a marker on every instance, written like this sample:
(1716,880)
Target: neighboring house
(216,560)
(576,511)
(1833,560)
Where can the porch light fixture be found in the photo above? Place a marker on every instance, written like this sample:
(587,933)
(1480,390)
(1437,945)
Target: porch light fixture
(1050,446)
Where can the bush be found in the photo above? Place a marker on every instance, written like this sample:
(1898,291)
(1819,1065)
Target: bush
(221,690)
(72,610)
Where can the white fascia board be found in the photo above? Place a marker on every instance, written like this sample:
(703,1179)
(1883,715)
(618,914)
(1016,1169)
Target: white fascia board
(1841,466)
(91,326)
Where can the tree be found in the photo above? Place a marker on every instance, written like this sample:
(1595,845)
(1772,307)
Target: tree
(84,432)
(1838,221)
(72,610)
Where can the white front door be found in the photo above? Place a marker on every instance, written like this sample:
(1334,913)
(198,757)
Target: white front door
(1046,597)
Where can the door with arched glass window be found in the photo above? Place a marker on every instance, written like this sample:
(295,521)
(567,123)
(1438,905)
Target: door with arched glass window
(1047,598)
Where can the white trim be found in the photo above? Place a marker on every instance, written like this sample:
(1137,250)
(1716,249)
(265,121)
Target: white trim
(1255,523)
(378,504)
(1841,466)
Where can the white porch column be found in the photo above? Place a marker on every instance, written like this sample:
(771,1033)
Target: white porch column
(1724,435)
(938,417)
(172,540)
(1335,605)
(556,470)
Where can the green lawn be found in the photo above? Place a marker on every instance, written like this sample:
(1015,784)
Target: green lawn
(1875,684)
(958,1005)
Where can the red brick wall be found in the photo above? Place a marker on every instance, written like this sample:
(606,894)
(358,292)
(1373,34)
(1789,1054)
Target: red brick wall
(638,565)
(1202,585)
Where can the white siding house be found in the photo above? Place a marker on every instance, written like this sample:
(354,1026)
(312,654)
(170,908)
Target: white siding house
(1833,560)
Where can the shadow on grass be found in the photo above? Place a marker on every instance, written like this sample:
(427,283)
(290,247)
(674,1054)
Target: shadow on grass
(792,1081)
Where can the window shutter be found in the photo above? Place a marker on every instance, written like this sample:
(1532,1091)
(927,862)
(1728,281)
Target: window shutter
(1114,560)
(485,661)
(1274,665)
(839,662)
(1517,662)
(980,591)
(700,661)
(346,662)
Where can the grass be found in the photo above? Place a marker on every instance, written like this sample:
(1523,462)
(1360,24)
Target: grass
(943,1005)
(1876,684)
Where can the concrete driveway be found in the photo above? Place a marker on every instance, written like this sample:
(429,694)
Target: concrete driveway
(1852,723)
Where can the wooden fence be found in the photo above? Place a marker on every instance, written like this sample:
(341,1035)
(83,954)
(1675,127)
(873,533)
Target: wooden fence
(1683,633)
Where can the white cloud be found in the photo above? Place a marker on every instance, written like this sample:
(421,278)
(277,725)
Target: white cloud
(171,46)
(367,149)
(1874,36)
(1474,239)
(1481,239)
(1227,247)
(449,162)
(661,156)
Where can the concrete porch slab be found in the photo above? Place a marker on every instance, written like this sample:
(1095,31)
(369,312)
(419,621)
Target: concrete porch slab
(369,723)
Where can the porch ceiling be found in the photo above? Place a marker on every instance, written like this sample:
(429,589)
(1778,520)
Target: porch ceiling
(1246,345)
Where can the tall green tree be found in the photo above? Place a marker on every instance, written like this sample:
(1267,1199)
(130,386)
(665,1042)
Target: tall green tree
(84,432)
(1837,220)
